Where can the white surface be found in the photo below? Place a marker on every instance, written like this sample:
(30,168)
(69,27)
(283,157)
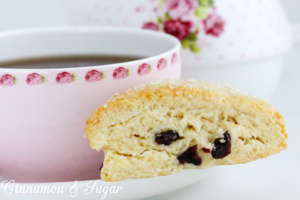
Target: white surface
(18,14)
(292,6)
(257,77)
(273,178)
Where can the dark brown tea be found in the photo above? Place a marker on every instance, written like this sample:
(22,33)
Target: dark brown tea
(66,61)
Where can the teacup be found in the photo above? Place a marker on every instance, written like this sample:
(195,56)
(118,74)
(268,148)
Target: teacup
(43,109)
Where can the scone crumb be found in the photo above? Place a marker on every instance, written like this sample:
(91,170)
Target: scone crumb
(171,87)
(178,93)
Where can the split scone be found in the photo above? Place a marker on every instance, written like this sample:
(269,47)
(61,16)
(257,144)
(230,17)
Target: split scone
(162,127)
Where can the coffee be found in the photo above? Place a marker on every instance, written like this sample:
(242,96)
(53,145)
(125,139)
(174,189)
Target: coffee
(66,61)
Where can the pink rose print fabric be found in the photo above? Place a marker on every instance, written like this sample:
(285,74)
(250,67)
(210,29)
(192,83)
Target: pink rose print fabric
(7,80)
(65,77)
(150,26)
(144,69)
(162,64)
(180,8)
(94,75)
(35,79)
(120,73)
(214,25)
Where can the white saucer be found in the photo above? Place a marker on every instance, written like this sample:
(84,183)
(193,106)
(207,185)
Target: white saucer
(128,189)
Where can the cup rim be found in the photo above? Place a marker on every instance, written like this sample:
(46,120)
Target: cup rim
(93,29)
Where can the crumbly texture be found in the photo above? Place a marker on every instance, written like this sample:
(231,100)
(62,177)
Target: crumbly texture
(125,128)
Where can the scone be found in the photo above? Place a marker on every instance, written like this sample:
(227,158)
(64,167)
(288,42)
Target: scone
(162,127)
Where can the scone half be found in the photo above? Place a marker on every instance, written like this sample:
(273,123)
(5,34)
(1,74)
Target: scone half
(161,127)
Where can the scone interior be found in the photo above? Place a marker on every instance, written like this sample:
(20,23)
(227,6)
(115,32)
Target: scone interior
(160,128)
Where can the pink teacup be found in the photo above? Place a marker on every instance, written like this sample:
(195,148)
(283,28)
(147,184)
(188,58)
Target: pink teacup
(43,110)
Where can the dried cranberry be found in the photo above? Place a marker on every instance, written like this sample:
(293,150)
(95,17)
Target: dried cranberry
(166,137)
(222,147)
(206,150)
(190,156)
(101,167)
